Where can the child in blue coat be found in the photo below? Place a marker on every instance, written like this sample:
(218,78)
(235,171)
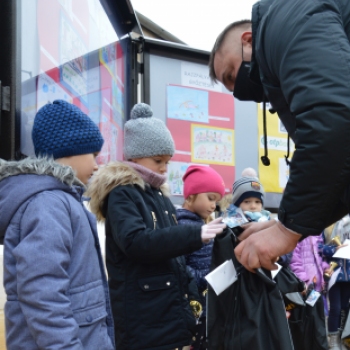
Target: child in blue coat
(54,278)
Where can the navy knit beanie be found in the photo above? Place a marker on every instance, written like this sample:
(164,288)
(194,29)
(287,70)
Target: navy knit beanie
(62,130)
(247,187)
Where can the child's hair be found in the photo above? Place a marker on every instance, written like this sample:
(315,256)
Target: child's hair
(225,202)
(247,187)
(193,198)
(202,179)
(146,136)
(61,130)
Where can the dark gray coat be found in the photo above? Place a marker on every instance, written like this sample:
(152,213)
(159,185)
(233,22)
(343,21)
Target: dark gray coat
(302,50)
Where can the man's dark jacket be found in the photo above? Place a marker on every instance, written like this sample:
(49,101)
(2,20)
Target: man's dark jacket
(147,275)
(301,52)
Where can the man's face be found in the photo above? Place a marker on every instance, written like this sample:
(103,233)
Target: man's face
(228,58)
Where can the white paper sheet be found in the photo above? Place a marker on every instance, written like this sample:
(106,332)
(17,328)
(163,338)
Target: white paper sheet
(344,252)
(222,277)
(333,278)
(275,272)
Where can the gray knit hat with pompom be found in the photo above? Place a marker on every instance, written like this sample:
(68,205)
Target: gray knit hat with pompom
(146,136)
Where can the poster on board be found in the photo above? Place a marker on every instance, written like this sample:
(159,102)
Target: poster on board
(275,176)
(202,125)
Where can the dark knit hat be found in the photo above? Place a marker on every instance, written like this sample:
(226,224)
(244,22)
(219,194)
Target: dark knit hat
(247,187)
(146,136)
(62,130)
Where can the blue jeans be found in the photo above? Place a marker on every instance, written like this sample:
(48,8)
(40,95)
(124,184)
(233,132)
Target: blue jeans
(339,296)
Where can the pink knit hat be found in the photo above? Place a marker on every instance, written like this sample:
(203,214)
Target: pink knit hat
(202,179)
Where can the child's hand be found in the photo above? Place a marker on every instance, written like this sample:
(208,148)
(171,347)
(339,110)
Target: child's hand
(209,231)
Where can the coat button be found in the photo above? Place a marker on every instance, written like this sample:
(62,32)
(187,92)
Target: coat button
(89,318)
(166,212)
(168,283)
(160,193)
(186,296)
(146,286)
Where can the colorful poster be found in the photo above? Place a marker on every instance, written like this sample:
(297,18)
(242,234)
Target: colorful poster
(75,63)
(187,104)
(283,171)
(48,90)
(176,171)
(108,57)
(212,145)
(109,132)
(219,126)
(275,176)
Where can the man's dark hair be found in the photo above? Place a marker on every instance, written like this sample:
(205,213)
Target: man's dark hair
(220,39)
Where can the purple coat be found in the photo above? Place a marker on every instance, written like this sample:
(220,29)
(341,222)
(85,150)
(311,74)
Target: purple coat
(307,261)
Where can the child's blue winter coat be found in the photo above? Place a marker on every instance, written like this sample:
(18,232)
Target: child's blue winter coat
(57,293)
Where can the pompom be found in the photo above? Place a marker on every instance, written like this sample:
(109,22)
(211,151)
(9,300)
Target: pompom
(249,172)
(141,110)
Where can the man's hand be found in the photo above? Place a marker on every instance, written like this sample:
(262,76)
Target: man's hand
(254,227)
(262,248)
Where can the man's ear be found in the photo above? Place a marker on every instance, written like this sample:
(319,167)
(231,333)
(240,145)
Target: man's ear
(247,38)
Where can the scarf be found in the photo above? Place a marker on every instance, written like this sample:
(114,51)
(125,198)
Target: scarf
(149,176)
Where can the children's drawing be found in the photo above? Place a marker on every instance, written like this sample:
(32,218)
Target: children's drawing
(110,147)
(212,145)
(176,171)
(187,104)
(74,60)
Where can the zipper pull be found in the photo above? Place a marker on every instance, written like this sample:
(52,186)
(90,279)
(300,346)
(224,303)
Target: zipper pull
(174,217)
(154,219)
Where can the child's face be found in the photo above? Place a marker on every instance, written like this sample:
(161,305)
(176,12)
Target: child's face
(204,204)
(251,204)
(158,164)
(84,165)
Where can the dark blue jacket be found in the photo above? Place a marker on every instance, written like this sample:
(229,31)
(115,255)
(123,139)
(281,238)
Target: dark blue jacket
(200,260)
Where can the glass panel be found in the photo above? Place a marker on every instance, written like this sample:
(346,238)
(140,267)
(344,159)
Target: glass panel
(70,51)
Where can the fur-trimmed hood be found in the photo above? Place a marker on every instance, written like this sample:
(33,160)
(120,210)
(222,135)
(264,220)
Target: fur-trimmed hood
(16,186)
(108,177)
(39,166)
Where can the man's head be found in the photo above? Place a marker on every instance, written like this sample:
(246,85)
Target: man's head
(232,46)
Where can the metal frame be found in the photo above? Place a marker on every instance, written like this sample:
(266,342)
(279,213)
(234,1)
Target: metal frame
(10,65)
(170,50)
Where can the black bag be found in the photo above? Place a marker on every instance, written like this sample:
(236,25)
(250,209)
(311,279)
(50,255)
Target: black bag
(250,314)
(308,327)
